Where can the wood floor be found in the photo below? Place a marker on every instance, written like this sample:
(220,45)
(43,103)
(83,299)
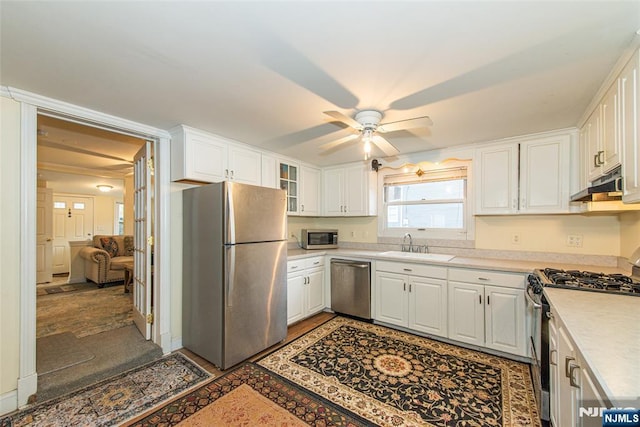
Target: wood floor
(296,330)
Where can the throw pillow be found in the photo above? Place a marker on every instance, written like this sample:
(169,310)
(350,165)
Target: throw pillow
(109,245)
(128,245)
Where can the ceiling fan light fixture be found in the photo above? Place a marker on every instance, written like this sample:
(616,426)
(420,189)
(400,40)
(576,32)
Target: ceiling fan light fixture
(105,188)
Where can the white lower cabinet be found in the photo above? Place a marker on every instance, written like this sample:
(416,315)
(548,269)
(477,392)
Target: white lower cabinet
(487,309)
(412,296)
(305,288)
(575,395)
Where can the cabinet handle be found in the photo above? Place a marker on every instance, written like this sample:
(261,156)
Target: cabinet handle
(479,299)
(404,286)
(595,161)
(294,267)
(487,299)
(552,360)
(600,157)
(341,208)
(226,173)
(345,208)
(409,287)
(567,362)
(316,263)
(407,269)
(484,279)
(232,174)
(572,381)
(523,203)
(302,207)
(515,204)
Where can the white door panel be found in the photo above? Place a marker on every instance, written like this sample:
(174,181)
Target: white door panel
(73,220)
(143,239)
(44,235)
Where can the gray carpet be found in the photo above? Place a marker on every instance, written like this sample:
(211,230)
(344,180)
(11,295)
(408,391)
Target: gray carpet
(60,351)
(115,351)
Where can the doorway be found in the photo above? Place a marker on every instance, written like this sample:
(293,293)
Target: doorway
(74,161)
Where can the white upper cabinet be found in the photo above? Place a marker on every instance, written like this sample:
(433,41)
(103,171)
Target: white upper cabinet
(348,191)
(530,176)
(202,157)
(269,171)
(629,140)
(309,191)
(610,144)
(497,184)
(544,175)
(244,165)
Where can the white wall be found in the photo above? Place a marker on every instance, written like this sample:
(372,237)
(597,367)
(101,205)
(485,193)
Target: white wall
(629,233)
(9,245)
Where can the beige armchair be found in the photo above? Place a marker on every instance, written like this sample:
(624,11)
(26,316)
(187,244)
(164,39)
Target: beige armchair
(104,262)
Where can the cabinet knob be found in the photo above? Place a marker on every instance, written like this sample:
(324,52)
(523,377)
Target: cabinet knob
(572,380)
(552,359)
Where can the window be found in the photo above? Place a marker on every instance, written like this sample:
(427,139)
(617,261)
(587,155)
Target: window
(426,204)
(59,205)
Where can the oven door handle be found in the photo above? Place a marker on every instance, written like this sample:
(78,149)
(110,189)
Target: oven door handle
(535,305)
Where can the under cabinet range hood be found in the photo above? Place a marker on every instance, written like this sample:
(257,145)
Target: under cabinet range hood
(605,188)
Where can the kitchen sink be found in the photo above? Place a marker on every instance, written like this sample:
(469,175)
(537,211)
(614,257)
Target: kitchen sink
(418,255)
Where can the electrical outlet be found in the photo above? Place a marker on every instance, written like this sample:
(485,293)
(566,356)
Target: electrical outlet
(574,240)
(515,239)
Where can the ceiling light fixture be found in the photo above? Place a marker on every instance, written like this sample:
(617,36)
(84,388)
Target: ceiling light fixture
(104,188)
(366,137)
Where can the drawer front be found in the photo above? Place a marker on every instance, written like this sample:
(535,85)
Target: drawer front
(296,265)
(485,277)
(315,262)
(422,270)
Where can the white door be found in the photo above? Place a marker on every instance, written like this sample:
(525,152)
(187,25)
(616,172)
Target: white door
(309,191)
(466,313)
(295,297)
(315,291)
(332,192)
(143,238)
(392,305)
(245,166)
(355,191)
(72,220)
(504,317)
(44,232)
(497,187)
(428,305)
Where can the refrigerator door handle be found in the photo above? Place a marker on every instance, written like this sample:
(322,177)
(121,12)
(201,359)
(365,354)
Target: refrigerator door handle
(231,220)
(230,267)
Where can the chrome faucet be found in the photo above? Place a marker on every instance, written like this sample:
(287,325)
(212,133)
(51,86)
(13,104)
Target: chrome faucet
(403,247)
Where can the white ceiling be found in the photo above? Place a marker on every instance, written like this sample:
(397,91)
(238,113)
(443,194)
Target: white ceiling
(264,72)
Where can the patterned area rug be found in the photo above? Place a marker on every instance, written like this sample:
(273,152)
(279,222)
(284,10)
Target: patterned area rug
(249,396)
(84,313)
(116,399)
(394,378)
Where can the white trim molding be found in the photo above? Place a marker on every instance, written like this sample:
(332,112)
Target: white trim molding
(8,402)
(28,378)
(31,106)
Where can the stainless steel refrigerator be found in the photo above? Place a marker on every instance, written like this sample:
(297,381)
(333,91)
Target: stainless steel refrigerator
(234,287)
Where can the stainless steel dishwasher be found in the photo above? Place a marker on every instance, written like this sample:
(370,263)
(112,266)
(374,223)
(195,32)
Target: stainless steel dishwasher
(351,287)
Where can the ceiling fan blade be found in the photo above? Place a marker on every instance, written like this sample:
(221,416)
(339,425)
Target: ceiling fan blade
(332,144)
(384,145)
(418,122)
(344,119)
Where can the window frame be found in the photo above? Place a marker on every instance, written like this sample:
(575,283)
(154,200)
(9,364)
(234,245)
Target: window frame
(405,174)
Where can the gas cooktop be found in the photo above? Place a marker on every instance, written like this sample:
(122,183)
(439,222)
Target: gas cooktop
(589,281)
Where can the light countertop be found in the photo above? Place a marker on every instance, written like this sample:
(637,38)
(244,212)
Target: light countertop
(517,266)
(606,330)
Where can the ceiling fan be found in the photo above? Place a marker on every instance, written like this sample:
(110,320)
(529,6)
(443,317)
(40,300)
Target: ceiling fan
(367,125)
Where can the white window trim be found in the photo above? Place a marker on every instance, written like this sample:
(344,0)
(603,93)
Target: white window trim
(469,219)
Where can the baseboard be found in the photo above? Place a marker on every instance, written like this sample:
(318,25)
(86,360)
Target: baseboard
(8,402)
(176,344)
(27,386)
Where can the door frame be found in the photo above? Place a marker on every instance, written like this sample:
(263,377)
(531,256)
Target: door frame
(30,105)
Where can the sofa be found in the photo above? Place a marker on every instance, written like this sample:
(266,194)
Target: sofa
(105,261)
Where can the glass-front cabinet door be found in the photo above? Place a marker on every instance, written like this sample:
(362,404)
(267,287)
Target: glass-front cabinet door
(289,182)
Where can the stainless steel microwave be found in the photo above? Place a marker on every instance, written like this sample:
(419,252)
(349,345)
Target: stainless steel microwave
(319,239)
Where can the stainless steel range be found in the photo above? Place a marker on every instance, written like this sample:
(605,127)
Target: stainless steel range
(566,279)
(589,281)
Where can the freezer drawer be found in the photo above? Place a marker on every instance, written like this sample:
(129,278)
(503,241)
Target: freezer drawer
(351,288)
